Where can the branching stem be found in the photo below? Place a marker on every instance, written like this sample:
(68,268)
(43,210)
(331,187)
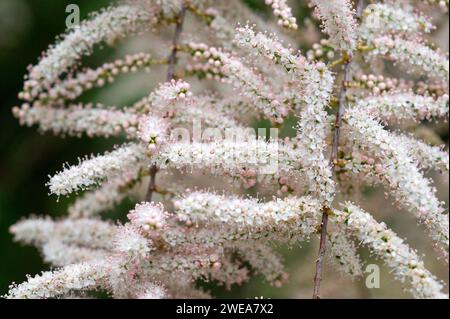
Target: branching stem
(170,74)
(347,58)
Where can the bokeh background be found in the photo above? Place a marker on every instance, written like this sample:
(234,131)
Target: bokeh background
(27,157)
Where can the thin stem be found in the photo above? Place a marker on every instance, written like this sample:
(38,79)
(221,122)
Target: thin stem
(321,256)
(348,57)
(337,62)
(175,40)
(170,74)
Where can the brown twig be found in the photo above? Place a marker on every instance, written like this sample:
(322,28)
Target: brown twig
(348,57)
(170,74)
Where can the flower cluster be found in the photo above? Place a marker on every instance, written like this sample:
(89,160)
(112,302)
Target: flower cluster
(413,54)
(79,119)
(73,87)
(240,159)
(402,174)
(283,12)
(97,169)
(112,23)
(242,78)
(338,22)
(315,82)
(405,106)
(293,218)
(383,18)
(148,217)
(339,113)
(153,131)
(403,261)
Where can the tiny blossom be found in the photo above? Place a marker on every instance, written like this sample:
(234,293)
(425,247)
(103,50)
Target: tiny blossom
(171,91)
(153,131)
(385,244)
(164,96)
(338,22)
(283,12)
(129,241)
(95,170)
(148,217)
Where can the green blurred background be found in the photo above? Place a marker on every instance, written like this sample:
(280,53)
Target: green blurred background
(27,27)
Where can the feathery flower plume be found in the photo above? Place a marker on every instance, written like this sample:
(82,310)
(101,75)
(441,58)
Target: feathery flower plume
(242,79)
(343,252)
(415,56)
(114,22)
(380,18)
(60,254)
(405,107)
(427,156)
(74,86)
(338,21)
(107,196)
(83,232)
(94,171)
(410,188)
(231,157)
(384,243)
(297,217)
(316,83)
(79,119)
